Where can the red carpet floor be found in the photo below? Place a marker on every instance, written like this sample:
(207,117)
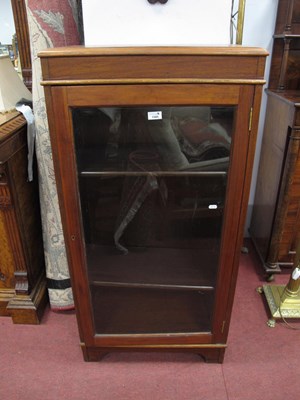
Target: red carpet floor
(261,363)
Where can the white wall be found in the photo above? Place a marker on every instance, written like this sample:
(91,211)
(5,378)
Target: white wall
(259,25)
(137,22)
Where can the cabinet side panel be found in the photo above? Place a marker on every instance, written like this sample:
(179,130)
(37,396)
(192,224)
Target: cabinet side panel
(270,172)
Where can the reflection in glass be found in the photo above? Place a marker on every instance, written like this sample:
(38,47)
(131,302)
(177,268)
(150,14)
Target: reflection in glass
(152,187)
(177,137)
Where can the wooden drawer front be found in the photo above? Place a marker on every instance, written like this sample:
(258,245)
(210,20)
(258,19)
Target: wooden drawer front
(292,225)
(284,256)
(287,245)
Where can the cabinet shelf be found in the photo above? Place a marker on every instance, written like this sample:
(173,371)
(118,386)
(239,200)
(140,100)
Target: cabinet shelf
(162,268)
(151,286)
(89,174)
(286,36)
(142,311)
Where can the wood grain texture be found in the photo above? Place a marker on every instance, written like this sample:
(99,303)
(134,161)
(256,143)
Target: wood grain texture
(284,71)
(7,262)
(275,219)
(82,51)
(22,277)
(288,17)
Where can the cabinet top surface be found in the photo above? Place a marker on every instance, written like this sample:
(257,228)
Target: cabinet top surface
(10,123)
(5,117)
(85,51)
(79,65)
(288,96)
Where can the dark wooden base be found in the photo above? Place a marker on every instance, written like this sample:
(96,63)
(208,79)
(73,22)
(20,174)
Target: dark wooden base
(6,295)
(208,354)
(27,308)
(267,267)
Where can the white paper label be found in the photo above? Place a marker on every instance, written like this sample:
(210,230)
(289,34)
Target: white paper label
(152,115)
(213,206)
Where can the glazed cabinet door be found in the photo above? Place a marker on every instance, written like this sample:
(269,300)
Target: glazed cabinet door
(151,179)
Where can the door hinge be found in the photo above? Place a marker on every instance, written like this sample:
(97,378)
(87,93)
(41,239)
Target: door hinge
(250,119)
(223,326)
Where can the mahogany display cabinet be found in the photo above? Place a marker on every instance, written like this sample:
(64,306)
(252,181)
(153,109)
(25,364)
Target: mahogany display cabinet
(153,151)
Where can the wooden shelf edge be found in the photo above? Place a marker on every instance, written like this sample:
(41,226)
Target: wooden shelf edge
(152,286)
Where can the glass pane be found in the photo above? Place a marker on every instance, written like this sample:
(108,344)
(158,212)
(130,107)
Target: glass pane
(152,188)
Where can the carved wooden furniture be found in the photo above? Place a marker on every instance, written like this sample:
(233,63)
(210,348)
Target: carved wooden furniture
(288,17)
(153,150)
(23,292)
(276,210)
(284,71)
